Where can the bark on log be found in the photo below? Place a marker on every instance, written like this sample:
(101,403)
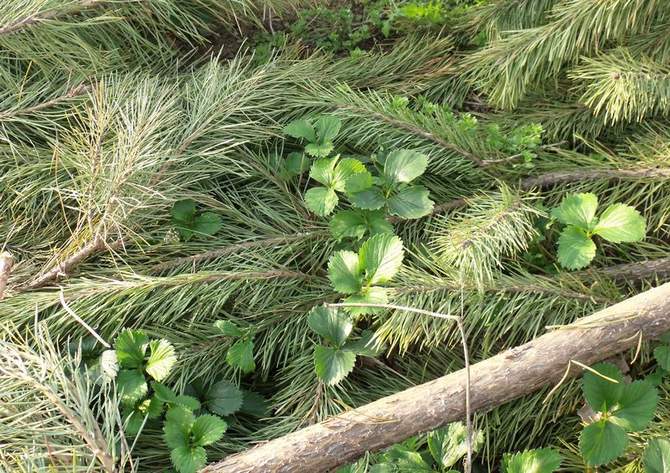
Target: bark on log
(497,380)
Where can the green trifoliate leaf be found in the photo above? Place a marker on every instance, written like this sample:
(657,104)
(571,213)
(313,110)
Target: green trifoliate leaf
(188,459)
(327,128)
(578,210)
(381,257)
(406,460)
(369,199)
(300,129)
(345,272)
(296,163)
(600,393)
(319,150)
(321,200)
(227,328)
(222,398)
(368,295)
(543,460)
(241,355)
(323,172)
(109,364)
(656,456)
(331,324)
(575,248)
(333,365)
(132,386)
(131,347)
(207,223)
(411,202)
(161,359)
(636,407)
(183,211)
(621,223)
(449,444)
(602,442)
(662,355)
(366,345)
(404,165)
(207,429)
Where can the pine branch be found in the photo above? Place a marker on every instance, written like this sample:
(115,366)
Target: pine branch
(47,15)
(75,91)
(561,177)
(68,265)
(232,249)
(416,130)
(630,271)
(6,263)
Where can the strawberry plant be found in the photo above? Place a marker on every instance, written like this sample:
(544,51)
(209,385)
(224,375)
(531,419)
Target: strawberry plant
(360,274)
(186,435)
(619,223)
(241,353)
(334,361)
(188,222)
(619,407)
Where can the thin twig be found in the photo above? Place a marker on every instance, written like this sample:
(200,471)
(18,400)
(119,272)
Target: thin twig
(466,356)
(75,91)
(47,15)
(6,264)
(567,373)
(67,266)
(81,321)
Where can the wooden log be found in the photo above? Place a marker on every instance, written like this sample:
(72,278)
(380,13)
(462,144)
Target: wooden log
(509,375)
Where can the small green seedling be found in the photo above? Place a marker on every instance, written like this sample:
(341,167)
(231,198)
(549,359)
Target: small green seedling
(241,353)
(619,223)
(188,222)
(186,435)
(138,356)
(336,360)
(360,274)
(318,136)
(543,460)
(619,408)
(337,175)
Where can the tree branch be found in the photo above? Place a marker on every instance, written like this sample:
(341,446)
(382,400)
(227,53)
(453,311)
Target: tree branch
(561,177)
(507,376)
(53,14)
(75,91)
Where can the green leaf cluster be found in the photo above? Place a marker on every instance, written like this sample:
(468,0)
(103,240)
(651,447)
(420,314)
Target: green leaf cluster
(241,353)
(443,449)
(318,137)
(335,360)
(186,435)
(360,274)
(620,408)
(619,223)
(189,222)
